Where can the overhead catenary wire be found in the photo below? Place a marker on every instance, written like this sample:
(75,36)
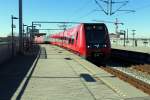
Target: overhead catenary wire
(110,3)
(85,5)
(88,13)
(143,7)
(101,6)
(118,9)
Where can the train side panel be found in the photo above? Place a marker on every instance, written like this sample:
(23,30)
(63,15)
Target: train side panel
(90,43)
(81,42)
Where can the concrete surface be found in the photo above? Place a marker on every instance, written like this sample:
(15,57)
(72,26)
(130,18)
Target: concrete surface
(65,76)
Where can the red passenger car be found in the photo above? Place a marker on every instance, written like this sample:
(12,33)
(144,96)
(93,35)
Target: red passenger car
(89,40)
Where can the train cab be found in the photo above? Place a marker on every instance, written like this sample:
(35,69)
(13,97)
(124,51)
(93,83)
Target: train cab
(97,41)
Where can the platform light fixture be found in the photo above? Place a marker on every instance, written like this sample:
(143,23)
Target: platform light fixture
(12,28)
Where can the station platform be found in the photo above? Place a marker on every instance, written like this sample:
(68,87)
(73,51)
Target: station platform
(133,49)
(57,74)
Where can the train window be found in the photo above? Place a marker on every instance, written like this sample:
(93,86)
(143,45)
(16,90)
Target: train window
(88,28)
(96,34)
(72,39)
(77,36)
(94,27)
(100,28)
(69,40)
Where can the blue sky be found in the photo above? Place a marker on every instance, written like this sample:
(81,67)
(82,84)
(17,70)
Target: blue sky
(75,10)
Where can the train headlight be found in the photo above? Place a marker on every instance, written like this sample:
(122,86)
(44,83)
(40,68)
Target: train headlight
(105,45)
(88,46)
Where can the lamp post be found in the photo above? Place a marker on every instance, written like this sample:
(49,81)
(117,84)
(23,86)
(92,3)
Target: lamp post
(23,28)
(33,30)
(64,26)
(133,37)
(124,44)
(24,35)
(20,26)
(29,34)
(123,32)
(12,27)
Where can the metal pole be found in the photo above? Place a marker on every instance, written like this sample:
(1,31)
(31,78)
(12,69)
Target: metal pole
(133,37)
(32,33)
(110,2)
(133,40)
(116,23)
(27,31)
(20,26)
(63,37)
(127,34)
(12,36)
(124,38)
(107,7)
(23,36)
(28,40)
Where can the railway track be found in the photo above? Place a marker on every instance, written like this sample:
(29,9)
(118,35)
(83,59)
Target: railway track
(143,68)
(137,75)
(128,76)
(134,73)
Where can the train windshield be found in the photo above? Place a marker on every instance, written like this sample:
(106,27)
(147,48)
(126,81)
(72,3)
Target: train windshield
(95,34)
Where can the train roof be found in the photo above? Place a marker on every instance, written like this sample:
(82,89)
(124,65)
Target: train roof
(57,22)
(93,23)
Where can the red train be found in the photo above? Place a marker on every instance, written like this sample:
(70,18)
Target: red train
(89,40)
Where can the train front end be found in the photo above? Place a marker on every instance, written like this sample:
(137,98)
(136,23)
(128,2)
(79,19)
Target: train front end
(97,41)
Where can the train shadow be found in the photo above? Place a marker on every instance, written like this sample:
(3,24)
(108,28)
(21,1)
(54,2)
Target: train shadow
(13,72)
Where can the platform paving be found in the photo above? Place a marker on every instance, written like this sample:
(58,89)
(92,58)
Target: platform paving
(62,75)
